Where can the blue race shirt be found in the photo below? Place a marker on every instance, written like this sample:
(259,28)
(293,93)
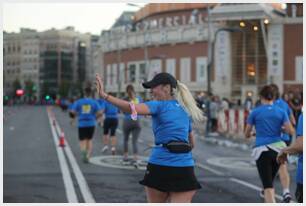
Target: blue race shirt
(110,110)
(283,105)
(299,134)
(137,100)
(268,121)
(169,122)
(86,109)
(101,103)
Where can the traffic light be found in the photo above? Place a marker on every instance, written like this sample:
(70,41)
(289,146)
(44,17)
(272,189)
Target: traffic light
(47,97)
(6,97)
(19,92)
(34,88)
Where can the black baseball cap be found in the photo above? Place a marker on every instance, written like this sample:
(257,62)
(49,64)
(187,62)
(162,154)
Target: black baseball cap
(160,78)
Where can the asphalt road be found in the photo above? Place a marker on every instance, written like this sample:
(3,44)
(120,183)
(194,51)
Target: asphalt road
(37,170)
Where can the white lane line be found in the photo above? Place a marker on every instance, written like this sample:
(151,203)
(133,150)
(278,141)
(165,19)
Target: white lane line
(69,188)
(88,197)
(249,185)
(209,169)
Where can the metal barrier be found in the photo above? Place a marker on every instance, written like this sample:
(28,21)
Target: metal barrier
(232,122)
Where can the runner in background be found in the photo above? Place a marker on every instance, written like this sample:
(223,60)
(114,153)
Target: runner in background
(110,125)
(131,126)
(296,148)
(269,121)
(283,169)
(87,110)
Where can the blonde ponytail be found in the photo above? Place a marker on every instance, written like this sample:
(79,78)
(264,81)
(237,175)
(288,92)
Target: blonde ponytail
(185,98)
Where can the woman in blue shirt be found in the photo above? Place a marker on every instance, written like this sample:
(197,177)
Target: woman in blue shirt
(109,126)
(268,120)
(87,110)
(296,148)
(170,170)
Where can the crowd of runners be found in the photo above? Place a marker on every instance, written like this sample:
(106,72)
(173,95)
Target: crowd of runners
(170,170)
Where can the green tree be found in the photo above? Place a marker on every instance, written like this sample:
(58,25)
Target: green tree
(64,88)
(29,88)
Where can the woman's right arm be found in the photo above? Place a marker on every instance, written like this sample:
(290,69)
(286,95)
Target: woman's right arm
(141,109)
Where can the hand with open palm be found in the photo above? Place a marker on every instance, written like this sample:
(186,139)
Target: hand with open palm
(99,86)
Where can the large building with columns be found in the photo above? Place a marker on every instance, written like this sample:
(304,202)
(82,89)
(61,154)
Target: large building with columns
(247,46)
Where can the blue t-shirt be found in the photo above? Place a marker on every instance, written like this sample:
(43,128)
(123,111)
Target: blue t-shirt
(283,105)
(70,106)
(101,103)
(137,100)
(110,110)
(268,121)
(299,134)
(86,109)
(169,122)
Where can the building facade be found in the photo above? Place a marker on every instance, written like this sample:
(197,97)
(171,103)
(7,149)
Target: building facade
(230,49)
(55,61)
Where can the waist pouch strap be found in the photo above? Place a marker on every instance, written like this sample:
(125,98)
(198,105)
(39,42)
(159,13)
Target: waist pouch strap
(178,147)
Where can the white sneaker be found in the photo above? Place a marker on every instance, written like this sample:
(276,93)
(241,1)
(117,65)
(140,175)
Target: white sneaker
(104,149)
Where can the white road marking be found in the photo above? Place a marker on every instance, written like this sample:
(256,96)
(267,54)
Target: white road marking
(254,187)
(69,188)
(209,169)
(88,197)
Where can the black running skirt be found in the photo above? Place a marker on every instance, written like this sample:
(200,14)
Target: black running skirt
(170,179)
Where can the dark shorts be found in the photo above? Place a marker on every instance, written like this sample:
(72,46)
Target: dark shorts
(86,132)
(267,167)
(110,124)
(299,193)
(170,179)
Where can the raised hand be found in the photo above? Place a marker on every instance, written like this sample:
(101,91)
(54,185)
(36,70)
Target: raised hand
(281,157)
(99,86)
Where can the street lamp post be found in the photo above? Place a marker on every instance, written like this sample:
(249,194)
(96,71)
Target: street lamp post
(145,47)
(211,49)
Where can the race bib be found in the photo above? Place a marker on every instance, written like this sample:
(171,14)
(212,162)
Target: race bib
(86,109)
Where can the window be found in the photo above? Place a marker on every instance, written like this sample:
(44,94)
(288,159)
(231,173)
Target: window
(170,68)
(201,69)
(108,74)
(114,80)
(121,73)
(142,72)
(132,73)
(299,68)
(185,70)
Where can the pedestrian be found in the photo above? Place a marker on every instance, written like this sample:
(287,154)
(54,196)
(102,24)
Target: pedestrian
(70,112)
(131,126)
(110,125)
(296,148)
(87,110)
(283,169)
(268,120)
(170,170)
(214,110)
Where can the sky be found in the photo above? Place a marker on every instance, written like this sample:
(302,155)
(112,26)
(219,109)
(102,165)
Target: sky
(85,17)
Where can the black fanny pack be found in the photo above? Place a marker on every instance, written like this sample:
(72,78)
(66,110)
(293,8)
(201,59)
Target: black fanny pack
(178,147)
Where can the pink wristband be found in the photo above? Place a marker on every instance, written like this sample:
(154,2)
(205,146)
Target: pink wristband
(134,112)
